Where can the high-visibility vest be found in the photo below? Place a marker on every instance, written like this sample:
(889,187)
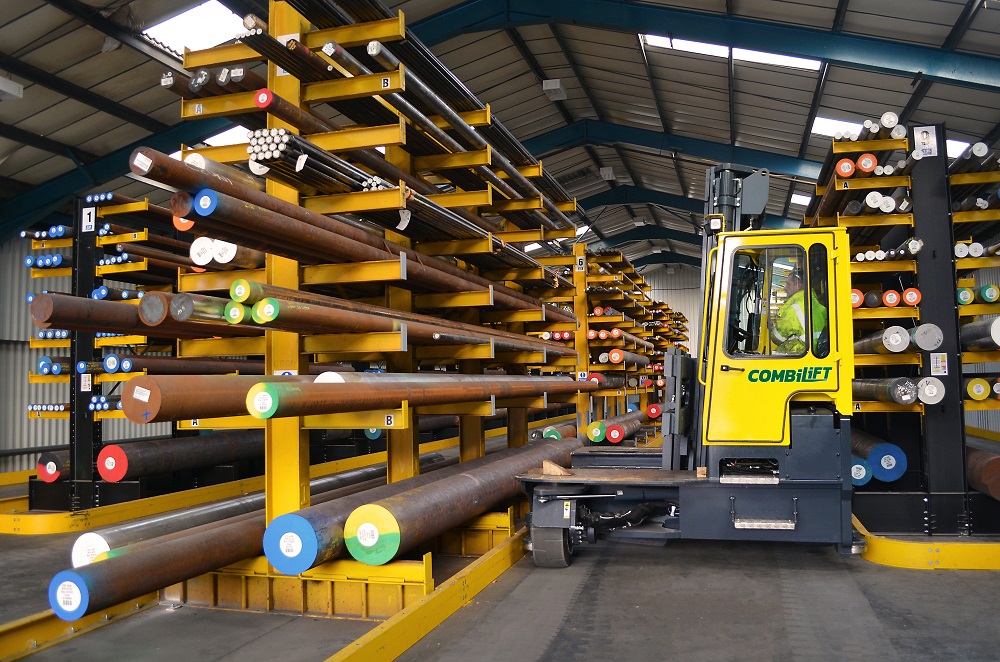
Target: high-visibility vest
(791,322)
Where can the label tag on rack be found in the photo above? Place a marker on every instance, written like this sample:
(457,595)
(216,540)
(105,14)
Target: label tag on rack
(88,219)
(581,263)
(926,139)
(939,364)
(86,383)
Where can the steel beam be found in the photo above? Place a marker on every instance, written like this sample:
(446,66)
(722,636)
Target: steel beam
(93,17)
(584,132)
(635,195)
(667,258)
(648,233)
(30,139)
(45,198)
(81,94)
(845,50)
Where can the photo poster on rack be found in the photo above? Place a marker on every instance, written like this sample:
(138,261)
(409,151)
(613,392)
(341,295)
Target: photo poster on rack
(926,139)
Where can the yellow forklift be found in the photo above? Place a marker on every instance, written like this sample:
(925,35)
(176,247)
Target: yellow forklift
(757,429)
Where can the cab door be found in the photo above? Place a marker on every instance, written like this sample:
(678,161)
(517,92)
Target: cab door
(768,345)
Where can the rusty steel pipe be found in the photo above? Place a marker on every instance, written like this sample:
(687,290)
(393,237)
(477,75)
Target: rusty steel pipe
(378,532)
(636,340)
(983,471)
(248,292)
(185,520)
(306,236)
(186,306)
(164,257)
(556,432)
(53,466)
(170,365)
(270,400)
(619,432)
(161,168)
(628,359)
(84,314)
(166,243)
(298,541)
(155,398)
(117,462)
(130,572)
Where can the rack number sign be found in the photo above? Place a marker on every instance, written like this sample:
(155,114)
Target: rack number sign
(389,420)
(386,82)
(88,219)
(581,263)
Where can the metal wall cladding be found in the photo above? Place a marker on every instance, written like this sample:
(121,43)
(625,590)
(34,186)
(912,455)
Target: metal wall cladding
(680,290)
(986,420)
(17,359)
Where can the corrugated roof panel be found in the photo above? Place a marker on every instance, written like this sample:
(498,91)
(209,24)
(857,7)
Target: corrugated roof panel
(926,22)
(818,14)
(983,33)
(39,167)
(35,100)
(42,22)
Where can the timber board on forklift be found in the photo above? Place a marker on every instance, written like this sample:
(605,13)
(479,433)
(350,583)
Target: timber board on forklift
(650,477)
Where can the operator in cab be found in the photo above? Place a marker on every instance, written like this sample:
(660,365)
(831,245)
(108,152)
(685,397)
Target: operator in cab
(788,331)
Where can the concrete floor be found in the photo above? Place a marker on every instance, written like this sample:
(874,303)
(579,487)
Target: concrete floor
(687,601)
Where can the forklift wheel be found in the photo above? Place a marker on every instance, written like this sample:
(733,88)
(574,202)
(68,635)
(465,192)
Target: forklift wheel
(550,547)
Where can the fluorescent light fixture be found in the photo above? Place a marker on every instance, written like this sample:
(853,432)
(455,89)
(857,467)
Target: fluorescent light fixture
(783,267)
(533,246)
(777,60)
(739,54)
(582,230)
(955,148)
(234,136)
(204,26)
(824,126)
(799,199)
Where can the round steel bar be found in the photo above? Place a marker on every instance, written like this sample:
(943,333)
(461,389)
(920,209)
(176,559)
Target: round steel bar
(900,390)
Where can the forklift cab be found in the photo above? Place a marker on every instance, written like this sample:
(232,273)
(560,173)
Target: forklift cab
(774,331)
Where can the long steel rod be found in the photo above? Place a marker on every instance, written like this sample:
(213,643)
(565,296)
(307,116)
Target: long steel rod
(270,400)
(117,463)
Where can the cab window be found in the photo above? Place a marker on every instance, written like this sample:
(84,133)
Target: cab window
(767,312)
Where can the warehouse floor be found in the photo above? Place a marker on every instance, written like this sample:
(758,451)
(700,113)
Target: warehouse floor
(689,600)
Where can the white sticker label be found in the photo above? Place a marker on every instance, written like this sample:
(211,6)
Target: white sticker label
(262,402)
(69,597)
(50,467)
(286,373)
(262,97)
(978,389)
(111,363)
(887,462)
(141,394)
(142,162)
(241,290)
(109,463)
(86,383)
(404,218)
(367,534)
(939,364)
(291,544)
(581,263)
(269,309)
(204,201)
(199,109)
(858,472)
(926,139)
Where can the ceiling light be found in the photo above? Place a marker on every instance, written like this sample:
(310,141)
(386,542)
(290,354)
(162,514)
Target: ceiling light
(955,148)
(777,60)
(554,89)
(582,230)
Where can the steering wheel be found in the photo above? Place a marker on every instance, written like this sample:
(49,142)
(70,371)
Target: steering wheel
(737,333)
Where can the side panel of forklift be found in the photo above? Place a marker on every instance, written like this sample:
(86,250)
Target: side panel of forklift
(774,332)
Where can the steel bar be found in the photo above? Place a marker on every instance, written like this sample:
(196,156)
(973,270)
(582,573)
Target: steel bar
(901,390)
(926,337)
(619,432)
(296,542)
(155,398)
(982,468)
(597,431)
(628,359)
(930,390)
(117,463)
(417,86)
(891,340)
(619,333)
(162,168)
(53,466)
(378,532)
(271,400)
(983,335)
(607,380)
(85,314)
(204,163)
(250,292)
(888,461)
(555,432)
(170,365)
(164,257)
(976,388)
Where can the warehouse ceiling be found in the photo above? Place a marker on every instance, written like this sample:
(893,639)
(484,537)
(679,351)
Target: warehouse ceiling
(640,120)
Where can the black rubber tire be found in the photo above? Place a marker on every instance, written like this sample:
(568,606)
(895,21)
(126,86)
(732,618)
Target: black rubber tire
(550,548)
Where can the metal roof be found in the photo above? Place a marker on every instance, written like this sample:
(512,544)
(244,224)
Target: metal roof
(658,116)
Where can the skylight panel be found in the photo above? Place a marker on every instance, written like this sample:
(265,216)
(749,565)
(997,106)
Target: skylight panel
(234,136)
(799,199)
(582,230)
(955,148)
(825,126)
(775,59)
(533,246)
(701,48)
(204,26)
